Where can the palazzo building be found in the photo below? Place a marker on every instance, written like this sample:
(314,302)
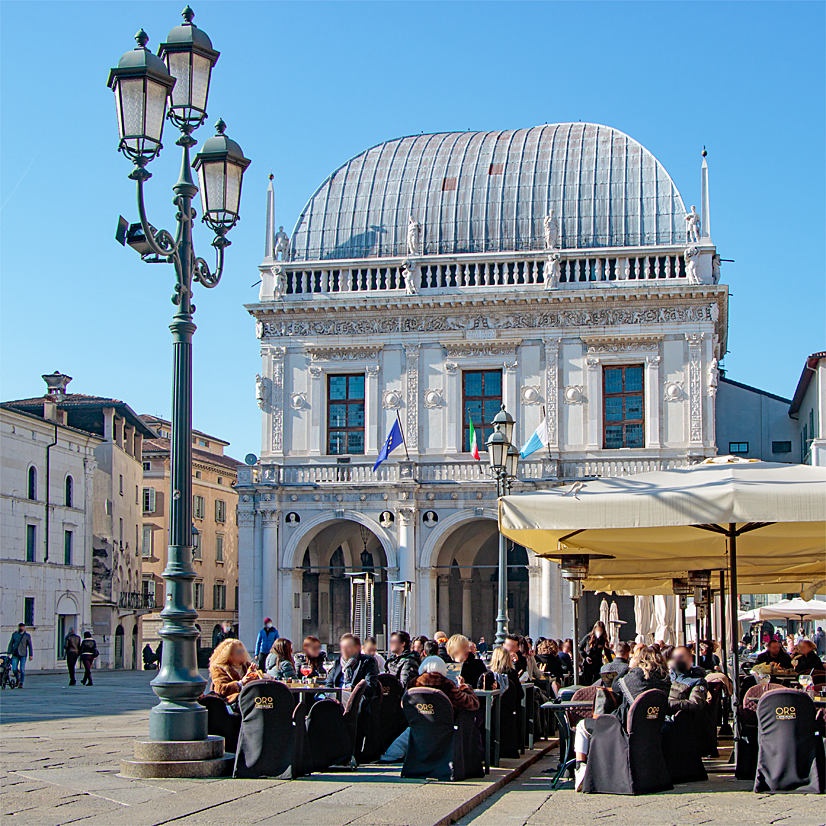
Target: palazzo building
(432,278)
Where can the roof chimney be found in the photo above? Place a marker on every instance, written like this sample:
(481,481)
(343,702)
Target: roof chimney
(56,382)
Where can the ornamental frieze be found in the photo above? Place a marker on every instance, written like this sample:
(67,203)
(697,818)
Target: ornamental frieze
(343,353)
(467,323)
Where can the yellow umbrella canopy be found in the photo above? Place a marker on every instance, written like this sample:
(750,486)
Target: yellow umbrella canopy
(666,522)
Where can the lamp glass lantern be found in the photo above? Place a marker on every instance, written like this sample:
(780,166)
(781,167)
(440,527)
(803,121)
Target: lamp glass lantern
(506,422)
(497,446)
(220,166)
(512,461)
(142,85)
(189,57)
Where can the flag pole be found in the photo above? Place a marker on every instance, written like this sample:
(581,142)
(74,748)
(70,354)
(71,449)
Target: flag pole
(401,430)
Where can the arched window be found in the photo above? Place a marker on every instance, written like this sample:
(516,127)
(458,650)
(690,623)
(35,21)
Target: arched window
(32,482)
(70,490)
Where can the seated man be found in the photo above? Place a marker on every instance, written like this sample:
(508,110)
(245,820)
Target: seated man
(808,659)
(352,667)
(689,689)
(618,667)
(441,641)
(402,663)
(774,653)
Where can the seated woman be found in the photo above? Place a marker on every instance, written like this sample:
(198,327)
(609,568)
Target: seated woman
(459,649)
(433,674)
(807,660)
(647,670)
(230,670)
(314,656)
(280,663)
(502,666)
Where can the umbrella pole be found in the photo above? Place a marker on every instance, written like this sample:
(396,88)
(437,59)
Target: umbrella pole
(725,729)
(735,653)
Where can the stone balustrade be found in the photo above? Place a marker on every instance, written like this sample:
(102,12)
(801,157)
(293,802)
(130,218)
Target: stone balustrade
(577,268)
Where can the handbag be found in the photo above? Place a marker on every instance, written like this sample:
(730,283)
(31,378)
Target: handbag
(606,701)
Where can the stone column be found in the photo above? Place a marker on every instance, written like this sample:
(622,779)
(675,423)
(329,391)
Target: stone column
(467,611)
(318,403)
(444,604)
(406,521)
(510,397)
(652,400)
(534,602)
(695,389)
(296,630)
(546,604)
(324,608)
(372,410)
(258,575)
(552,393)
(594,391)
(411,352)
(247,621)
(426,585)
(453,396)
(269,567)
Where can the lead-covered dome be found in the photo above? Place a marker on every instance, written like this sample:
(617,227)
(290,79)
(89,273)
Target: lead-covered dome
(490,192)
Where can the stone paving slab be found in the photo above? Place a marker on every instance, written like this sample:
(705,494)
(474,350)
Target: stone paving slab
(722,801)
(61,750)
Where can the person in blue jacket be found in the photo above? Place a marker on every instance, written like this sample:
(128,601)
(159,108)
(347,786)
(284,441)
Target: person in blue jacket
(263,645)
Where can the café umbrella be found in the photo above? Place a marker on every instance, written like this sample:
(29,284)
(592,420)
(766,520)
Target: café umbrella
(766,517)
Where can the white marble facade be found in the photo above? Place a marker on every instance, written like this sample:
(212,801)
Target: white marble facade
(551,321)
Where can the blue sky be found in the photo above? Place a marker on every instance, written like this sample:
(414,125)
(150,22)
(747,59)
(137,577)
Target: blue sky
(304,86)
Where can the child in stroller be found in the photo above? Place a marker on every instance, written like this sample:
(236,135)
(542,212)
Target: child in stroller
(7,677)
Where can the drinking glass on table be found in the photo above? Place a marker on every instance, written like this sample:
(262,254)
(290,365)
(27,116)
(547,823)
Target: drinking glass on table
(306,670)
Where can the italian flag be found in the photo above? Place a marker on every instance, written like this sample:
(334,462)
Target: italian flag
(474,445)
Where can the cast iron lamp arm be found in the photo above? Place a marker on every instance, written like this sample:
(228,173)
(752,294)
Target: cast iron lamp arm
(200,269)
(160,241)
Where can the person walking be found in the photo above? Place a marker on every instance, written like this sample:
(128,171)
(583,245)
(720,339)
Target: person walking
(88,654)
(71,646)
(20,645)
(820,641)
(263,645)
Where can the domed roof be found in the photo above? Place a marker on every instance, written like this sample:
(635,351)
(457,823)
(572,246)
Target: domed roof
(490,192)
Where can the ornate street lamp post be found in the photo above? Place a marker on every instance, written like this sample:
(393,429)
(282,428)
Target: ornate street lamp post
(144,85)
(504,460)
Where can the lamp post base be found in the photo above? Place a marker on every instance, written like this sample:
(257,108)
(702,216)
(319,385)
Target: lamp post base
(198,758)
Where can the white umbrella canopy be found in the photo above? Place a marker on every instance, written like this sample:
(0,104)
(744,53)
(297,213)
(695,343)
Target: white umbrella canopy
(614,625)
(604,613)
(665,615)
(778,511)
(643,614)
(798,609)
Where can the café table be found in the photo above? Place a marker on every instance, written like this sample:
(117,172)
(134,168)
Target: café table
(566,734)
(491,700)
(306,693)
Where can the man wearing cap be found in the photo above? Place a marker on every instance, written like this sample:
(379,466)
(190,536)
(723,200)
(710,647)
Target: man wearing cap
(266,637)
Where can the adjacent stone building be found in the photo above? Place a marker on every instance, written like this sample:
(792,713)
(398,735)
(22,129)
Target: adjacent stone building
(431,279)
(808,409)
(215,553)
(99,531)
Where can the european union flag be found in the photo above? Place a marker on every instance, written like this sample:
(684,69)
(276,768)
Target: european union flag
(394,439)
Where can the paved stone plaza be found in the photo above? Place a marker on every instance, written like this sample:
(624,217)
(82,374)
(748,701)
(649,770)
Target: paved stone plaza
(61,750)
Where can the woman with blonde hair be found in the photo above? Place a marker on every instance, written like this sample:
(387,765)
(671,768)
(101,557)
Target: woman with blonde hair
(230,669)
(647,670)
(459,649)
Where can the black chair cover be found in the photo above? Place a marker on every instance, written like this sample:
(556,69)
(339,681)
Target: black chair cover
(430,752)
(267,742)
(790,756)
(351,715)
(302,761)
(392,719)
(222,720)
(708,720)
(510,714)
(746,767)
(631,762)
(682,739)
(328,735)
(369,736)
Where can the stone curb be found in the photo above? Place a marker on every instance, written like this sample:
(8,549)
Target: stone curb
(474,801)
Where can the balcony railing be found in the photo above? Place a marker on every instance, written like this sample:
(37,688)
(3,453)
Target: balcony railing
(446,472)
(136,601)
(577,268)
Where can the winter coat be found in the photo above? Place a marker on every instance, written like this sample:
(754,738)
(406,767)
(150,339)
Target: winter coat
(364,668)
(688,691)
(404,667)
(225,681)
(280,669)
(808,662)
(266,637)
(472,669)
(73,645)
(632,685)
(462,699)
(783,659)
(88,648)
(20,644)
(550,664)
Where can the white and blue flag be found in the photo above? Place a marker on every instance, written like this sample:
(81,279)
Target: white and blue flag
(537,441)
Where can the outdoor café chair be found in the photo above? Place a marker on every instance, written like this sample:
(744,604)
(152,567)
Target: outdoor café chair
(222,720)
(266,744)
(442,745)
(629,762)
(790,753)
(682,746)
(747,744)
(392,719)
(330,740)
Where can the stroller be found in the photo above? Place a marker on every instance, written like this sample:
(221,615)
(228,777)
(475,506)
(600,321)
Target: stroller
(7,677)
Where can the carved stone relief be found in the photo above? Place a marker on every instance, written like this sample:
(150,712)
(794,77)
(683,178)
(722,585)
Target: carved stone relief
(674,391)
(412,377)
(433,398)
(391,399)
(277,397)
(531,394)
(344,353)
(573,394)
